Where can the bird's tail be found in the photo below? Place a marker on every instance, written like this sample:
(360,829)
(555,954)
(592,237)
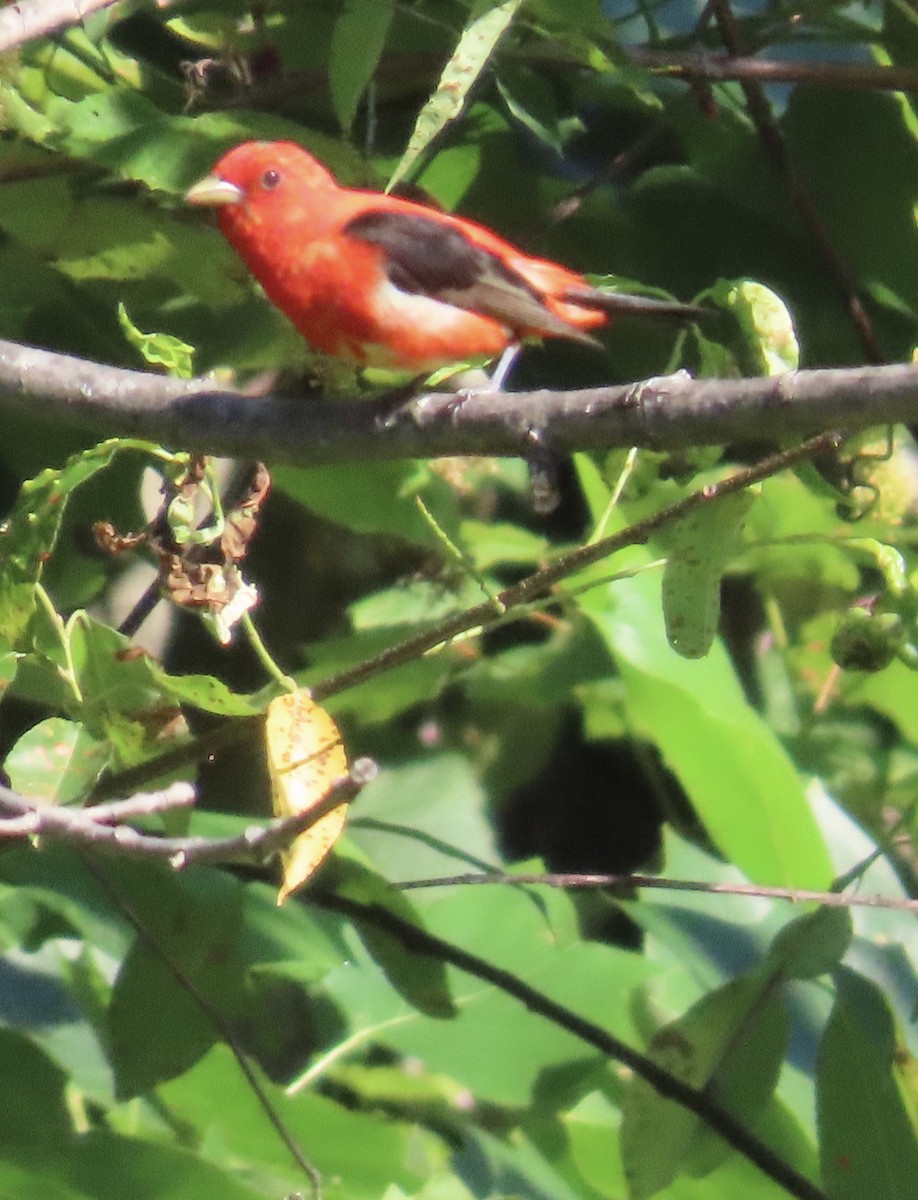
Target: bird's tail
(625,304)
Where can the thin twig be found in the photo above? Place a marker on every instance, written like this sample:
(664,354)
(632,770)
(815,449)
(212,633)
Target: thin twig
(142,608)
(144,804)
(539,583)
(562,880)
(840,273)
(221,1027)
(669,1086)
(529,589)
(723,68)
(91,826)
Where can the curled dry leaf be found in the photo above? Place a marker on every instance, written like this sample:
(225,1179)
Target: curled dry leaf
(305,758)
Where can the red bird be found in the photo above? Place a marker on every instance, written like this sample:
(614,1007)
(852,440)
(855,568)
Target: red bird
(381,281)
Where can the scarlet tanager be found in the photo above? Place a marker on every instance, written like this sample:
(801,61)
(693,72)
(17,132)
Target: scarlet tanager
(382,281)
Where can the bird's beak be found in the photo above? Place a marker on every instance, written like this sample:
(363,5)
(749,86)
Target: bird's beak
(213,192)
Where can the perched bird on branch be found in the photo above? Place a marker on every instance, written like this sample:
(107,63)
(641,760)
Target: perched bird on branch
(381,281)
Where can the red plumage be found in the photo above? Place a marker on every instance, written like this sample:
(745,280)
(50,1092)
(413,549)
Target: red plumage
(381,281)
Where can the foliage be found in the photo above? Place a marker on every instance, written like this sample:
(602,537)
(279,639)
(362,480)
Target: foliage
(732,702)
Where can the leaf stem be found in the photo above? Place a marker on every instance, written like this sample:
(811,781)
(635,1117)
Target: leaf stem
(286,682)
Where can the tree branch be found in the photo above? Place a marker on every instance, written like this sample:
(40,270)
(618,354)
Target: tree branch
(97,827)
(566,880)
(699,1102)
(531,588)
(26,818)
(225,1029)
(20,23)
(723,68)
(663,413)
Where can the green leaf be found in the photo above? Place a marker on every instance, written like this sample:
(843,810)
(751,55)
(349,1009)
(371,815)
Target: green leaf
(812,945)
(368,497)
(160,349)
(193,924)
(419,602)
(866,205)
(120,689)
(390,692)
(543,675)
(60,993)
(362,1150)
(210,694)
(28,535)
(530,99)
(730,1043)
(293,942)
(893,692)
(424,819)
(765,323)
(510,1167)
(592,1127)
(478,42)
(9,665)
(700,546)
(709,736)
(356,48)
(57,884)
(419,978)
(867,1144)
(124,131)
(56,761)
(491,1046)
(106,1166)
(489,543)
(449,175)
(31,1093)
(119,699)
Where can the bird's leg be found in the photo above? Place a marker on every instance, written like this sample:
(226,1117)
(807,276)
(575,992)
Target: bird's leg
(503,368)
(466,382)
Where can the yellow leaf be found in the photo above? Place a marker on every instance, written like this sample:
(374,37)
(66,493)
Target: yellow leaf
(305,757)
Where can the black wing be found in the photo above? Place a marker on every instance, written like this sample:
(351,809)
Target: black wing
(427,257)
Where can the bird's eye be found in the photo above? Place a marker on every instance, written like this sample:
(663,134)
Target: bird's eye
(270,179)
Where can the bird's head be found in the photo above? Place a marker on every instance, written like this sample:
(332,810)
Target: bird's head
(259,177)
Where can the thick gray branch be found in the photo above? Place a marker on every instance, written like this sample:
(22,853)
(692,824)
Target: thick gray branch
(663,413)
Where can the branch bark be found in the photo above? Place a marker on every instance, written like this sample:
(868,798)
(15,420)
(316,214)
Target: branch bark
(703,1105)
(99,826)
(20,23)
(578,880)
(721,68)
(664,413)
(529,589)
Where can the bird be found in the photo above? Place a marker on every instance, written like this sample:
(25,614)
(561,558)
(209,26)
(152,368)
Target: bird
(377,280)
